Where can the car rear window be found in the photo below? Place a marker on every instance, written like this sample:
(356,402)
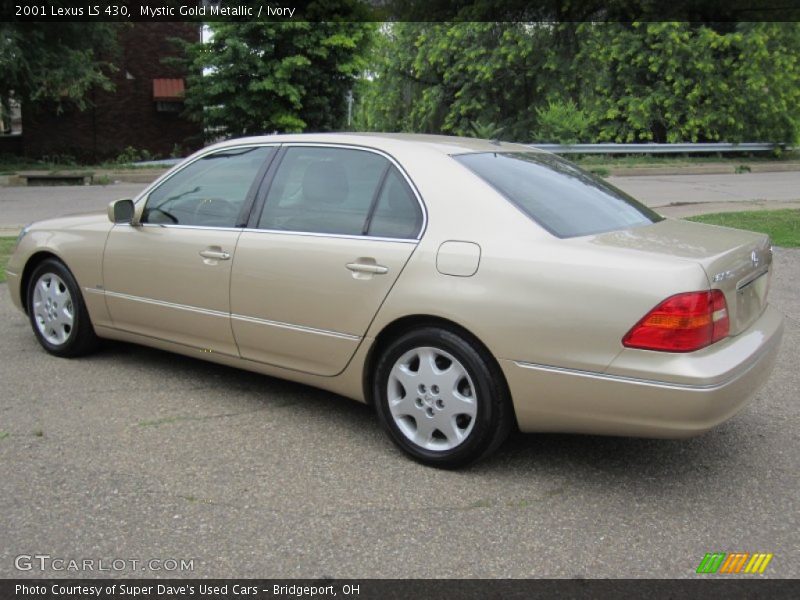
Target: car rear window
(561,197)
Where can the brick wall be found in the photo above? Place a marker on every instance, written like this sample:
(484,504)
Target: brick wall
(124,117)
(11,144)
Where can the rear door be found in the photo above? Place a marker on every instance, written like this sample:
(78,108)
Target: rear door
(335,229)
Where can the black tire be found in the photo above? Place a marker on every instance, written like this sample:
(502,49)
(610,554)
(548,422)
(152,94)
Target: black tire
(80,338)
(491,423)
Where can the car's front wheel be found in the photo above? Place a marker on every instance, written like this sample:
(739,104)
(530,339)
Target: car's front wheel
(441,397)
(57,313)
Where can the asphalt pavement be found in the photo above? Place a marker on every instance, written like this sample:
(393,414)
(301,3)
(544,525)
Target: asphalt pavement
(21,205)
(672,195)
(134,454)
(688,195)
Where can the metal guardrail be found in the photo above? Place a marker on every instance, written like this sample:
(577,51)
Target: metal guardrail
(687,148)
(657,148)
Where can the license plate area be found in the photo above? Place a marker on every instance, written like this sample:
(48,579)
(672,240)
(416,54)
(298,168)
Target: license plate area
(751,297)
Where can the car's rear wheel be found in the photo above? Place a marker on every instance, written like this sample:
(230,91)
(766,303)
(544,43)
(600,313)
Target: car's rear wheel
(441,397)
(57,312)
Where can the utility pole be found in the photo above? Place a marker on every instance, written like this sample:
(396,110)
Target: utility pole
(349,108)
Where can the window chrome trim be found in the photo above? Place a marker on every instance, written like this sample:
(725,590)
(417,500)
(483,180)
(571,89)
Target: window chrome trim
(227,315)
(175,226)
(345,236)
(382,153)
(285,232)
(143,195)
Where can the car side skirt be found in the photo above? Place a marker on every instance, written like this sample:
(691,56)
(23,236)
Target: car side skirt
(348,383)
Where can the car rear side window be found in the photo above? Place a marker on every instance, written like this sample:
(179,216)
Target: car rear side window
(324,190)
(397,213)
(558,195)
(210,192)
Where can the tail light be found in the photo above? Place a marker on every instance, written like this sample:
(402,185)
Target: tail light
(682,323)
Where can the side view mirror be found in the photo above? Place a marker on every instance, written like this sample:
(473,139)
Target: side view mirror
(121,211)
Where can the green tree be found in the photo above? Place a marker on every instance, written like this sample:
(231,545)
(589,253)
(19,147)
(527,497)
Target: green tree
(672,82)
(389,88)
(254,77)
(57,62)
(570,82)
(444,77)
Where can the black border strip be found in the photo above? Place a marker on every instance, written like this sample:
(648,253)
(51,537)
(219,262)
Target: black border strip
(705,587)
(432,11)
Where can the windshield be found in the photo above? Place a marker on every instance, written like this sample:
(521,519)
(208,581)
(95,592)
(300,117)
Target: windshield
(561,197)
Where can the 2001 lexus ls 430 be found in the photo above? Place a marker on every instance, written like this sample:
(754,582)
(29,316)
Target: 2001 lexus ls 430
(462,287)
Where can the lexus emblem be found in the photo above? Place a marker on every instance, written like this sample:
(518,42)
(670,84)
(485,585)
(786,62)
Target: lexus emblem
(754,258)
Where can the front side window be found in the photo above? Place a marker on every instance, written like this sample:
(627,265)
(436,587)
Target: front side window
(335,191)
(564,199)
(210,192)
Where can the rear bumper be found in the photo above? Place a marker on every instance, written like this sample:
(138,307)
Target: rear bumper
(679,400)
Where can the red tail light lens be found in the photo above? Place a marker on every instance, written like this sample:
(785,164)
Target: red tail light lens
(682,323)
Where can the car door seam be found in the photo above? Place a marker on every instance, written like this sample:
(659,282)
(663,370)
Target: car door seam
(233,264)
(377,311)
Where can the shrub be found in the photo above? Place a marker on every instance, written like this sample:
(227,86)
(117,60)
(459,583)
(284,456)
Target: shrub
(485,131)
(561,123)
(132,155)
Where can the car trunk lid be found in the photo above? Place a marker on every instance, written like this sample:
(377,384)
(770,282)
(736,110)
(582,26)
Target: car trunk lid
(736,262)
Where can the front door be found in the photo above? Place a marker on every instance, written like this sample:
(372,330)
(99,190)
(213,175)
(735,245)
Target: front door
(169,276)
(337,227)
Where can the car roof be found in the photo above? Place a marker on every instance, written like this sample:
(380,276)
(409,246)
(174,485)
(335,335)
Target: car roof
(389,141)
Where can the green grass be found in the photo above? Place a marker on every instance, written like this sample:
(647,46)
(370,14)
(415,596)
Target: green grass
(102,180)
(600,171)
(783,226)
(13,164)
(6,243)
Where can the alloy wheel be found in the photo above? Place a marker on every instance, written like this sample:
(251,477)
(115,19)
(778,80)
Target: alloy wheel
(432,398)
(53,309)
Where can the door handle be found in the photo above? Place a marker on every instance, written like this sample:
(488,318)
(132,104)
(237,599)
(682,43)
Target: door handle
(358,267)
(215,254)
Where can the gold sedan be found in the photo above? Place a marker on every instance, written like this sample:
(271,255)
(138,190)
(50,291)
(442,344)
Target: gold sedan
(462,287)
